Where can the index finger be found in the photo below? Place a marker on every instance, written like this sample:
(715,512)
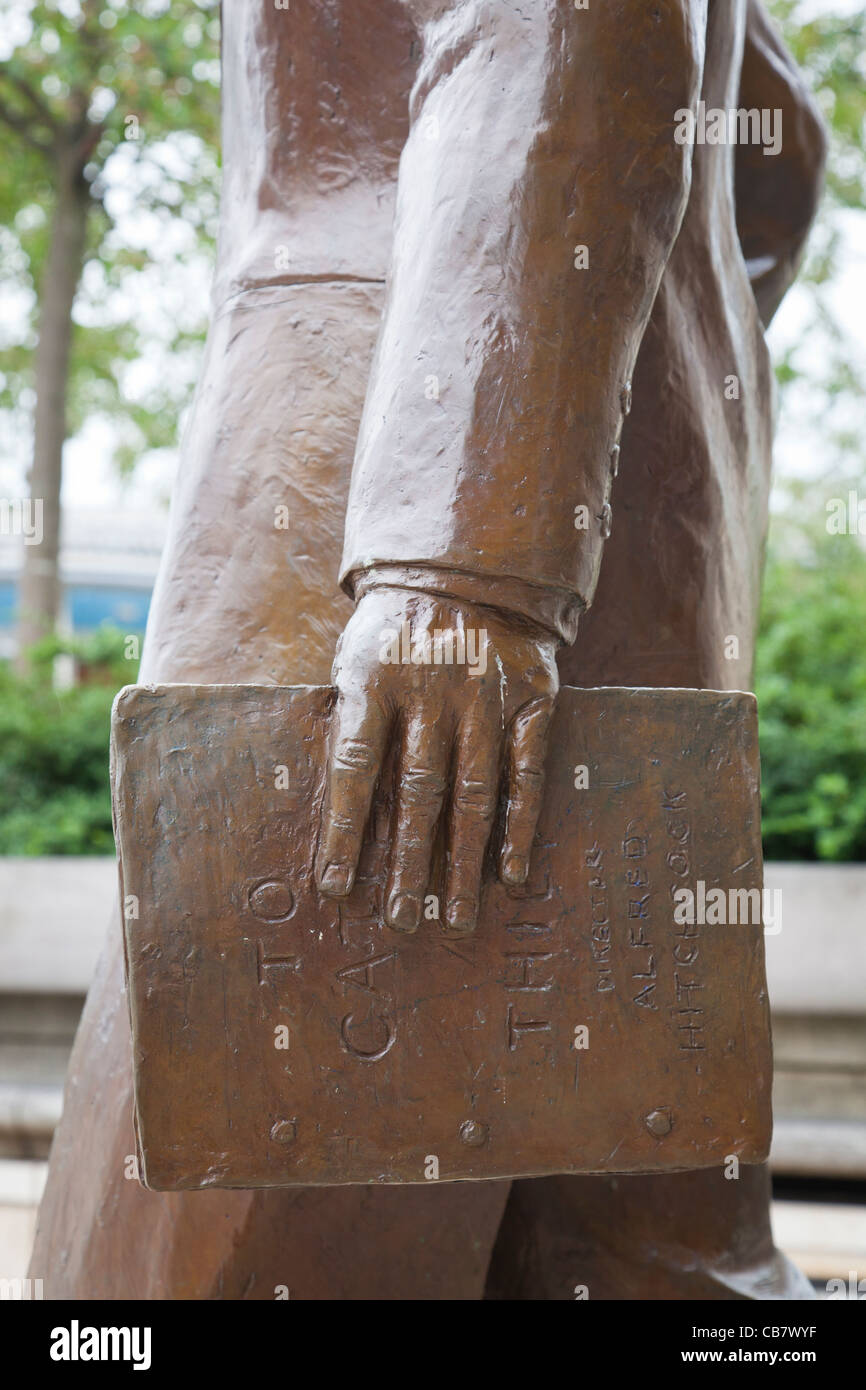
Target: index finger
(359,732)
(527,742)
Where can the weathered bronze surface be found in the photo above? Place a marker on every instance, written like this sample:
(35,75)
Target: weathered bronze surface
(402,1049)
(502,372)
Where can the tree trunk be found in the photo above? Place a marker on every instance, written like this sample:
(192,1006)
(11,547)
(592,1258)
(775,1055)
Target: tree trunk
(39,589)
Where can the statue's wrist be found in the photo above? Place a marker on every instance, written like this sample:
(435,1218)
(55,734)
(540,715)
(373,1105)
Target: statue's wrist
(552,614)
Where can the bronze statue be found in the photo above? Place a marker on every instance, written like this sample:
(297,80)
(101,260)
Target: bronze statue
(566,364)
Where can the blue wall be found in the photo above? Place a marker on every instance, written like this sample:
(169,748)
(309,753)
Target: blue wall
(89,605)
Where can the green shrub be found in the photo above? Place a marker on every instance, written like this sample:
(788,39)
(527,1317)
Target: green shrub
(811,687)
(54,791)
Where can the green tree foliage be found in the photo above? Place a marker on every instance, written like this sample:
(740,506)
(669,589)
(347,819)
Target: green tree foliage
(139,85)
(811,687)
(54,791)
(95,96)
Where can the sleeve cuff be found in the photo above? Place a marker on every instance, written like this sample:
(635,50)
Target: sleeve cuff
(555,610)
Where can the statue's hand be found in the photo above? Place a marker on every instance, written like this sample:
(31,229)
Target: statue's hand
(459,723)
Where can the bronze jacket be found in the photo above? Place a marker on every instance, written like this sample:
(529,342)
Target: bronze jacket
(549,222)
(476,220)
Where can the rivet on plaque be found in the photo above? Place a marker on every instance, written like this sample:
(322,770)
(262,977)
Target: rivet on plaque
(284,1131)
(659,1122)
(271,900)
(473,1133)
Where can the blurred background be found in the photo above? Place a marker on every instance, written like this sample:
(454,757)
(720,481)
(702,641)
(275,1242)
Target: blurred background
(109,186)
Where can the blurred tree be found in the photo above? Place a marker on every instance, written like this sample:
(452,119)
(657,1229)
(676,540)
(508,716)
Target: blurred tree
(84,83)
(822,369)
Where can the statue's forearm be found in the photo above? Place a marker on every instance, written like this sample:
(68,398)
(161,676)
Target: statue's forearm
(501,378)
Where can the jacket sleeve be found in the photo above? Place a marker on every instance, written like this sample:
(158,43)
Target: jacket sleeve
(776,198)
(540,193)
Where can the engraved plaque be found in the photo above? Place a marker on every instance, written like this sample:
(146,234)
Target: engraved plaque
(588,1026)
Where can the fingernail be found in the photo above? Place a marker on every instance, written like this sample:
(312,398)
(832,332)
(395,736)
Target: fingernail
(404,912)
(460,917)
(515,870)
(336,880)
